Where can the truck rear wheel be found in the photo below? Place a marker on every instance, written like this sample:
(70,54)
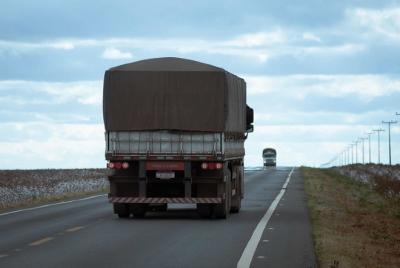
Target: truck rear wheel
(122,210)
(222,210)
(138,210)
(236,202)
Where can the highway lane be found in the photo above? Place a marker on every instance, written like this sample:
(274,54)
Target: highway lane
(87,234)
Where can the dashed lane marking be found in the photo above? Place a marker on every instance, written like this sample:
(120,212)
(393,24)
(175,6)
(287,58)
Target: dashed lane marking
(41,241)
(3,255)
(74,229)
(250,249)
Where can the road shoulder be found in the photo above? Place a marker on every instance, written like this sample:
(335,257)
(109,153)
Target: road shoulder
(287,240)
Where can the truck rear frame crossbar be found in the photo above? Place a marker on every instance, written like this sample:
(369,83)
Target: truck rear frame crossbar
(165,200)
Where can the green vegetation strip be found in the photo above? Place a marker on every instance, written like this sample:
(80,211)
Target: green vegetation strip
(353,225)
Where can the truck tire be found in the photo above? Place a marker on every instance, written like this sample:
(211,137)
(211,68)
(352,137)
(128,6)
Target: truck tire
(236,202)
(221,211)
(138,210)
(122,210)
(205,210)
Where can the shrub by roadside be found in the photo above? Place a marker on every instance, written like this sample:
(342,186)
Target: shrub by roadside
(30,187)
(353,225)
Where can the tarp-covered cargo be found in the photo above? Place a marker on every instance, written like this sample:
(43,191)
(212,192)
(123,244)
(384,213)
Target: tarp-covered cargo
(173,94)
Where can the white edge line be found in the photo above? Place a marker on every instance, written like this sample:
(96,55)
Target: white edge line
(52,204)
(250,249)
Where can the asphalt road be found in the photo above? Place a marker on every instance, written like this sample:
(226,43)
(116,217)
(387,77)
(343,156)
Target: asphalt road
(87,234)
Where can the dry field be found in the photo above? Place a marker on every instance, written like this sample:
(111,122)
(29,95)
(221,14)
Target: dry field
(20,188)
(355,224)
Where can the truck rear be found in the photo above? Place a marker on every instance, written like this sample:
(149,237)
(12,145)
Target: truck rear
(175,132)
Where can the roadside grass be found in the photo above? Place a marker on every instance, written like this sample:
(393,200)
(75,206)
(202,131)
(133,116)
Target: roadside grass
(353,225)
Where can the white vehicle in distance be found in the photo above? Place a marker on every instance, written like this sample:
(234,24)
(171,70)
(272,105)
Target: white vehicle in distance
(269,157)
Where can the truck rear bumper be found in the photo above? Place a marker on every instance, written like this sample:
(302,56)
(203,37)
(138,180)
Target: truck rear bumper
(165,200)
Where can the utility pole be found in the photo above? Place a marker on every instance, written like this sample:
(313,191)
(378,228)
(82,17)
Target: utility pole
(348,155)
(390,146)
(378,131)
(356,142)
(363,154)
(362,140)
(369,146)
(352,153)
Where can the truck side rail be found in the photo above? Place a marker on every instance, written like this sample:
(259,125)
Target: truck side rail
(168,143)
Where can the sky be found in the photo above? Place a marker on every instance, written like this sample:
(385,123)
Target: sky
(320,74)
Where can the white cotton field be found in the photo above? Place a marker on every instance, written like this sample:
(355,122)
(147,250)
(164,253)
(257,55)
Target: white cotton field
(383,178)
(366,173)
(26,186)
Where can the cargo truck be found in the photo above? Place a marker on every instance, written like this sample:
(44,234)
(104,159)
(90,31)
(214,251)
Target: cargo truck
(174,132)
(269,157)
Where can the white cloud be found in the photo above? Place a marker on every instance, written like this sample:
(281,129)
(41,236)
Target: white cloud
(384,22)
(259,46)
(258,39)
(311,37)
(365,87)
(84,92)
(285,116)
(337,50)
(116,54)
(45,145)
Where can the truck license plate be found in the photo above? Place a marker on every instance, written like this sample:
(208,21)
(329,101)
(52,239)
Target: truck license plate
(165,175)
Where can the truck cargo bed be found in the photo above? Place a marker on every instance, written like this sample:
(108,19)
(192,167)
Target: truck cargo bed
(164,144)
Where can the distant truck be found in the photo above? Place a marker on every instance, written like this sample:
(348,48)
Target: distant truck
(175,132)
(269,157)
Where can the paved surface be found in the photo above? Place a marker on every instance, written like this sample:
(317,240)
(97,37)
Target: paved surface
(87,234)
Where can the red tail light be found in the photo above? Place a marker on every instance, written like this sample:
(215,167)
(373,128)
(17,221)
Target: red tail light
(118,165)
(204,165)
(110,165)
(212,165)
(125,165)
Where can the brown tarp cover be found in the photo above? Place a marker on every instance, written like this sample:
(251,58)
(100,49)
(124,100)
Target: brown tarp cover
(173,94)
